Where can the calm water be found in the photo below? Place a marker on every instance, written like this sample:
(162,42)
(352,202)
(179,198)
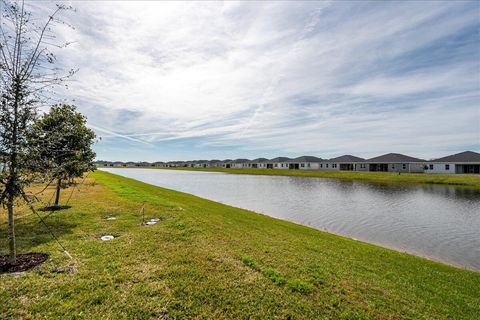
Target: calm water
(439,222)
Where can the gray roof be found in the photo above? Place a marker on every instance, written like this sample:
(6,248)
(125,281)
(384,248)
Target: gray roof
(393,158)
(466,156)
(240,160)
(346,159)
(306,159)
(259,160)
(279,159)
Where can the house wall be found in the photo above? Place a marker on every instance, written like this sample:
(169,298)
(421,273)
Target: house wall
(280,165)
(435,167)
(309,165)
(362,166)
(394,167)
(237,165)
(329,166)
(406,167)
(417,167)
(398,167)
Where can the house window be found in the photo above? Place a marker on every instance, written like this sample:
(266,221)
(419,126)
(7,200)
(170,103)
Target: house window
(276,165)
(326,166)
(393,166)
(430,166)
(447,167)
(404,166)
(308,165)
(321,165)
(303,165)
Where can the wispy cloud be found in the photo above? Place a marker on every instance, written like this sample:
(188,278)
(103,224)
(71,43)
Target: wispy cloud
(238,78)
(116,134)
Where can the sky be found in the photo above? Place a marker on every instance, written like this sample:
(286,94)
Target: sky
(165,81)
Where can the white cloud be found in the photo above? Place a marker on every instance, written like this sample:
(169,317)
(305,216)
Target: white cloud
(237,73)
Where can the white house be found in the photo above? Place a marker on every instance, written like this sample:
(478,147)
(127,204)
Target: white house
(201,164)
(278,163)
(463,162)
(239,163)
(346,162)
(304,163)
(260,163)
(226,163)
(392,162)
(214,163)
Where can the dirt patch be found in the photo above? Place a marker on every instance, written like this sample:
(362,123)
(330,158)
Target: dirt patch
(67,269)
(24,262)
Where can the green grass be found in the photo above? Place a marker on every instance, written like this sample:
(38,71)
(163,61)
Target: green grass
(205,260)
(466,180)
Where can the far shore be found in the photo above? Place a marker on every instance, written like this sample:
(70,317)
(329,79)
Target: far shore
(462,180)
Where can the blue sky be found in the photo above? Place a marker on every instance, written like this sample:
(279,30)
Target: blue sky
(211,80)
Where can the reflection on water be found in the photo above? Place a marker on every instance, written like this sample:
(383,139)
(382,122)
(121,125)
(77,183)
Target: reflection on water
(440,222)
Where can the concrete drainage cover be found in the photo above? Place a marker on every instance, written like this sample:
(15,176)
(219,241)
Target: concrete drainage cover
(107,238)
(152,221)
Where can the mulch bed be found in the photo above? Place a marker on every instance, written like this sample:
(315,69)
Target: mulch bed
(25,261)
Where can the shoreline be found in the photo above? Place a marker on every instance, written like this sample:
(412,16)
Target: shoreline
(470,181)
(385,245)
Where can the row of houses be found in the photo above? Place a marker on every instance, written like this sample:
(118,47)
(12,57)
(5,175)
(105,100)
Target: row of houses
(464,162)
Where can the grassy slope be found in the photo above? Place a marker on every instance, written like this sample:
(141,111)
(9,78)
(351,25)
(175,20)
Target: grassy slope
(467,180)
(208,260)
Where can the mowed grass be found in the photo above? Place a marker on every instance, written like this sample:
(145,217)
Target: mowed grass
(205,260)
(466,180)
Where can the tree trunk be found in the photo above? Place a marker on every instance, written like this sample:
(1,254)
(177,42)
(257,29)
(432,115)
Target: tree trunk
(11,231)
(57,196)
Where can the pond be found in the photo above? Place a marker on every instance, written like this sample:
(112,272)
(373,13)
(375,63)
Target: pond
(434,221)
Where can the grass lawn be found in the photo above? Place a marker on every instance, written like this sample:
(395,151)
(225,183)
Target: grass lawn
(467,180)
(206,260)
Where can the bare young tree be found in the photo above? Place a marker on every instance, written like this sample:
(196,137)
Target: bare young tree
(27,76)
